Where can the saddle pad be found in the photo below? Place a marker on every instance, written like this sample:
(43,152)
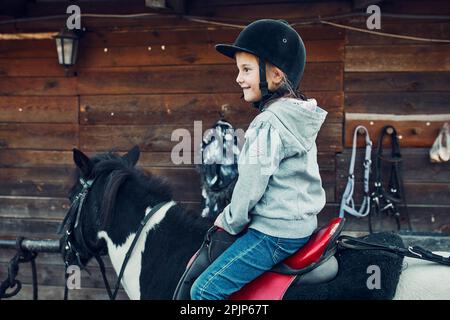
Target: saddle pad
(354,271)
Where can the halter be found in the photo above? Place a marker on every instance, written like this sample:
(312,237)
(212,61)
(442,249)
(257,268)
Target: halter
(347,202)
(69,250)
(387,200)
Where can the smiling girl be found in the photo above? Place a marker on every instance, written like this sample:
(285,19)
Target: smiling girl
(279,191)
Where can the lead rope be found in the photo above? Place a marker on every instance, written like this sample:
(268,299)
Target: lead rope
(347,202)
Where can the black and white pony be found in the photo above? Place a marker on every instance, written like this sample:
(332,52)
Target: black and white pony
(119,197)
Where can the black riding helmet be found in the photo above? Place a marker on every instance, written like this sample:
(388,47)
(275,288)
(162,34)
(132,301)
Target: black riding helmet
(273,41)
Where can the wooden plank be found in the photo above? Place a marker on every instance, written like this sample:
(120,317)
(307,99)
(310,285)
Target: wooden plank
(158,138)
(114,7)
(57,182)
(47,258)
(330,137)
(37,136)
(152,55)
(437,7)
(201,33)
(31,67)
(288,11)
(186,54)
(16,158)
(396,81)
(164,109)
(34,158)
(411,133)
(196,4)
(202,79)
(39,181)
(328,183)
(110,24)
(37,86)
(181,109)
(322,77)
(11,228)
(424,29)
(408,103)
(18,49)
(426,218)
(57,293)
(413,158)
(432,57)
(53,275)
(39,109)
(33,207)
(326,160)
(436,193)
(48,208)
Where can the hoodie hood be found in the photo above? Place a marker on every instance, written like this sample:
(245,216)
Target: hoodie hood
(303,119)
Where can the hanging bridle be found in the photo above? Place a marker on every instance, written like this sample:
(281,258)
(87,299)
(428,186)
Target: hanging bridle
(347,202)
(73,223)
(387,200)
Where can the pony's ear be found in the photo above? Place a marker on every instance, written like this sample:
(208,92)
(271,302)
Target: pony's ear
(83,162)
(132,156)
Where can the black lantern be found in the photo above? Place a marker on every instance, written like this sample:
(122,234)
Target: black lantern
(67,47)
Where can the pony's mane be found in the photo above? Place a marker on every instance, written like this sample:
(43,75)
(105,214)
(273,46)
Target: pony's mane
(152,188)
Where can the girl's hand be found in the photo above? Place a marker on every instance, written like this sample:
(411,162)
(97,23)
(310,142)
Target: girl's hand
(218,222)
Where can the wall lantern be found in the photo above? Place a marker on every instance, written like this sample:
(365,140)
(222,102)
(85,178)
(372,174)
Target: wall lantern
(67,47)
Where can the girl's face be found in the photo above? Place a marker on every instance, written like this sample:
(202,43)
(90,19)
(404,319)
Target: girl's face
(248,77)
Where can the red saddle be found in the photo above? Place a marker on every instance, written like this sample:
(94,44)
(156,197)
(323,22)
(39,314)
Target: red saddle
(273,285)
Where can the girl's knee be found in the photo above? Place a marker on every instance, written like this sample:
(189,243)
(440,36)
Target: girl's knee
(201,290)
(195,291)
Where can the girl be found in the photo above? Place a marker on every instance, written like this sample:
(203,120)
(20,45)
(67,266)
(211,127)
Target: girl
(279,190)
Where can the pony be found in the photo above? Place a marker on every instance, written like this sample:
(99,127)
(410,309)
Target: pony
(109,215)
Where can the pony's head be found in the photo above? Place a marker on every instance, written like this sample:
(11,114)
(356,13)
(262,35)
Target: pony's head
(95,196)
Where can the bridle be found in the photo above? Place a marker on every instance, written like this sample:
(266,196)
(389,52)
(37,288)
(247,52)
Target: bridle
(347,203)
(387,200)
(73,222)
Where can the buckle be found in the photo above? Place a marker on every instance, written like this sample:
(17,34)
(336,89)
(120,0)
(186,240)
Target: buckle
(411,250)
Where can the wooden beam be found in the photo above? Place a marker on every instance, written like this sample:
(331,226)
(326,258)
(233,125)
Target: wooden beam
(28,36)
(363,4)
(178,6)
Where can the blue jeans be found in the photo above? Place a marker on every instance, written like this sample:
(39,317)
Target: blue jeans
(248,257)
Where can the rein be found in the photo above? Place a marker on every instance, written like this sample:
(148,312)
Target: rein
(418,252)
(387,200)
(347,202)
(72,221)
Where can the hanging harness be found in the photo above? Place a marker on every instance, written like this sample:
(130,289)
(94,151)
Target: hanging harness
(219,169)
(347,202)
(387,200)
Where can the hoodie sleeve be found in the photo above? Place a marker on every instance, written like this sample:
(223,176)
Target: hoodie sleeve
(259,159)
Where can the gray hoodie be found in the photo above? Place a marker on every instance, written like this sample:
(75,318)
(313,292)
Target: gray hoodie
(279,190)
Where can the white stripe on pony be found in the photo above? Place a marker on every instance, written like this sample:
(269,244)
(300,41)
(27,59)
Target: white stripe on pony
(131,275)
(424,280)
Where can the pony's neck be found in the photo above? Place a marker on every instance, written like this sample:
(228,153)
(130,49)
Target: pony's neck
(168,249)
(117,253)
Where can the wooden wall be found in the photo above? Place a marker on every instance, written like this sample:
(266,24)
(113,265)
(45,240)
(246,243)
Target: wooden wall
(136,80)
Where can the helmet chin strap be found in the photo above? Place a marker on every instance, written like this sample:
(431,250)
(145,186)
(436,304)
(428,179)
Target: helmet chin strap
(263,86)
